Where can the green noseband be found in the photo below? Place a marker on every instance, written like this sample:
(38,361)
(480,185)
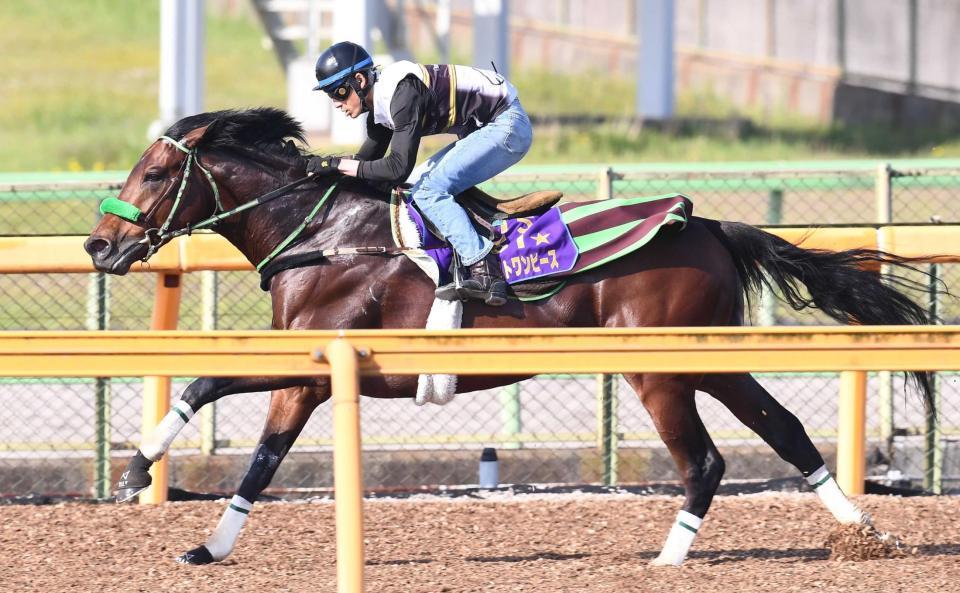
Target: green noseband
(124,210)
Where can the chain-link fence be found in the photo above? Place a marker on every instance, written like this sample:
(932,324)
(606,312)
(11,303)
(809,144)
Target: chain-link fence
(70,437)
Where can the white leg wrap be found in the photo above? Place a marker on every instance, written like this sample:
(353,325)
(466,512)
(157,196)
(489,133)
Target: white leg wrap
(440,389)
(225,536)
(158,442)
(679,540)
(834,499)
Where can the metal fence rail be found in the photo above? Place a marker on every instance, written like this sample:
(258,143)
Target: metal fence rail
(346,355)
(852,350)
(54,434)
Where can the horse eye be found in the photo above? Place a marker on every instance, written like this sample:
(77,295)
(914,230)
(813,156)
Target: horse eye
(152,176)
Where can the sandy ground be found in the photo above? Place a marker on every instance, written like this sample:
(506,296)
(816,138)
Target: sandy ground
(596,543)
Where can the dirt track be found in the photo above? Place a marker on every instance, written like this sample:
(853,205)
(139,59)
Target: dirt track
(596,543)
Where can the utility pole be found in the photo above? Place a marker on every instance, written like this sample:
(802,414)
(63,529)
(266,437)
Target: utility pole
(491,35)
(655,77)
(352,20)
(182,56)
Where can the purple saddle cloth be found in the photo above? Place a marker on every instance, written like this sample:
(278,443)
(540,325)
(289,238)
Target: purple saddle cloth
(569,238)
(529,247)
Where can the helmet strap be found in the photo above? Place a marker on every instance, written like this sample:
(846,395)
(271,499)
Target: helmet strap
(361,91)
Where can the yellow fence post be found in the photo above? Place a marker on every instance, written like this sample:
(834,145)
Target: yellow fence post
(851,432)
(347,468)
(156,390)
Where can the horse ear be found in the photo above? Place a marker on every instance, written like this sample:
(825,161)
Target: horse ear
(290,147)
(193,137)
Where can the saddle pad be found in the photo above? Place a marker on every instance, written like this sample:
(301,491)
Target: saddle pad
(565,240)
(605,230)
(529,247)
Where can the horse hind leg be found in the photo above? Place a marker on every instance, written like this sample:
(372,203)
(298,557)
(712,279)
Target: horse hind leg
(780,429)
(289,411)
(669,399)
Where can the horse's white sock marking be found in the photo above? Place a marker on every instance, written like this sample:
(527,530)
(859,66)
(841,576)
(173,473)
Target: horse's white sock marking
(225,536)
(834,499)
(158,442)
(679,540)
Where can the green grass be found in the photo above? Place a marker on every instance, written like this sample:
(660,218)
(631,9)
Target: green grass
(83,97)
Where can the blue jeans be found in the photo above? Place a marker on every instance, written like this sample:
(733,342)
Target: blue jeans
(469,161)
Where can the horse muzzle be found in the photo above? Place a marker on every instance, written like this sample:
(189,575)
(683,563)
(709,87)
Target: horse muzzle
(114,259)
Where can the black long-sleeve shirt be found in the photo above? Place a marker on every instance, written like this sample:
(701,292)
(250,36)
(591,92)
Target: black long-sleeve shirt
(410,103)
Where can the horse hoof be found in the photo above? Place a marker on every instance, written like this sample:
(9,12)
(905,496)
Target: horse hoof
(127,494)
(132,482)
(196,556)
(663,562)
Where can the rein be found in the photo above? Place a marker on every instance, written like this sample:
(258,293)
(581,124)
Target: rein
(156,237)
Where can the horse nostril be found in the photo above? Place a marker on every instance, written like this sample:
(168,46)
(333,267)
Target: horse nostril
(97,246)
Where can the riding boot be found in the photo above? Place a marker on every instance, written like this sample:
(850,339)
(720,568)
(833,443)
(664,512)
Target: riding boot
(485,282)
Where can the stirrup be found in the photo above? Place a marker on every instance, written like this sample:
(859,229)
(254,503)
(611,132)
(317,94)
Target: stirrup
(451,291)
(447,292)
(494,298)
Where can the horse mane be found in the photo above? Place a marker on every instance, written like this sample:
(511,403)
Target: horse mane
(257,132)
(263,128)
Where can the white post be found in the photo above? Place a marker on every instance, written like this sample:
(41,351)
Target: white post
(655,60)
(443,30)
(313,29)
(884,200)
(491,35)
(311,108)
(181,61)
(209,297)
(352,20)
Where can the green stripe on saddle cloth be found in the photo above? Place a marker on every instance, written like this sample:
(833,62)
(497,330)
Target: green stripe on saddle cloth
(606,230)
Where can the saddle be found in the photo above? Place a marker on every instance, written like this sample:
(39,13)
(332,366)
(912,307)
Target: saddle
(492,209)
(486,211)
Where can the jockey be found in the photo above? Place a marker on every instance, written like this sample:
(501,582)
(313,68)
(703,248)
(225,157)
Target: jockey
(407,101)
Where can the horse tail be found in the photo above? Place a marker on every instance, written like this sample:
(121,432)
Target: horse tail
(839,283)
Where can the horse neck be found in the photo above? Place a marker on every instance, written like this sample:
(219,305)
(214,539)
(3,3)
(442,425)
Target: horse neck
(351,216)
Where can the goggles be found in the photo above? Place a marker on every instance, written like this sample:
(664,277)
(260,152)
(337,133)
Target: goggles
(339,93)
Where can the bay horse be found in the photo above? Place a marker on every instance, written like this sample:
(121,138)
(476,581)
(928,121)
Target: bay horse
(215,162)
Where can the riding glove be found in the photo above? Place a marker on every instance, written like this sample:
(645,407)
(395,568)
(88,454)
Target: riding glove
(320,166)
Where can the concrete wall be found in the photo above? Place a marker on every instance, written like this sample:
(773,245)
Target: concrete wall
(937,44)
(778,55)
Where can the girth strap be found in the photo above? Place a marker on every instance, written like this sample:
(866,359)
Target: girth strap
(312,258)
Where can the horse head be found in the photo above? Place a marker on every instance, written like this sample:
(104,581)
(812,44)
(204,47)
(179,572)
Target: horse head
(156,197)
(187,176)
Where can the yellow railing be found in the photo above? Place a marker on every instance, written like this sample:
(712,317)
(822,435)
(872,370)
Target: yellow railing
(204,251)
(209,252)
(346,355)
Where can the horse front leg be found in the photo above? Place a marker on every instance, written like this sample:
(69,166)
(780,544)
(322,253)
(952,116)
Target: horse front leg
(289,411)
(136,478)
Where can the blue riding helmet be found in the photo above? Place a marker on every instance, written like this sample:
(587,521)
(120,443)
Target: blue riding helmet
(336,67)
